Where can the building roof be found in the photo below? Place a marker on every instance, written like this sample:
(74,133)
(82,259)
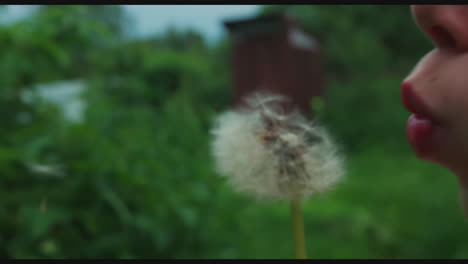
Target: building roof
(259,24)
(266,24)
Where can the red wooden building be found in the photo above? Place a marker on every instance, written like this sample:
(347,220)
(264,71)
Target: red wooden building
(274,53)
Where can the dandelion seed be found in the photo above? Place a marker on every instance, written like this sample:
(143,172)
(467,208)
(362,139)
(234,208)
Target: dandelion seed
(269,152)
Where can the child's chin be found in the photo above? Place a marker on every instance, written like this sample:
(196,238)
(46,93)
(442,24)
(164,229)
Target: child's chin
(437,155)
(452,160)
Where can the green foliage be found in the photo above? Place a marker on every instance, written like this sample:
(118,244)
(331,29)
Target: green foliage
(317,104)
(135,178)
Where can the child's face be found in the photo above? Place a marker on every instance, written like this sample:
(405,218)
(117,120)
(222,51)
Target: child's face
(437,89)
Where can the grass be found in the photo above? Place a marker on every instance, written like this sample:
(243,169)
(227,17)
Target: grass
(390,206)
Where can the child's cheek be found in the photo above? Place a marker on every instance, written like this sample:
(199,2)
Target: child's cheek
(453,98)
(454,89)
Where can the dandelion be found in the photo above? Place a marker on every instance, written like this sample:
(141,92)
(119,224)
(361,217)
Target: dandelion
(268,152)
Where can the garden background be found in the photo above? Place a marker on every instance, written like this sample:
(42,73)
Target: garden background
(134,177)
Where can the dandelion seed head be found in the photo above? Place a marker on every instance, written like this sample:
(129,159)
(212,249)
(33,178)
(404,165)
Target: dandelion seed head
(269,152)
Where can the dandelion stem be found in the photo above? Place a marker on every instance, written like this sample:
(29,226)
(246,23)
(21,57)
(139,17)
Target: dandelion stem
(298,229)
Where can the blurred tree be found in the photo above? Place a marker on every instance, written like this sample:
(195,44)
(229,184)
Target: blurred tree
(113,17)
(119,184)
(181,40)
(37,49)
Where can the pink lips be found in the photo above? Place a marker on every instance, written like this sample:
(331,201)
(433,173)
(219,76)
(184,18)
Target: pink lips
(420,126)
(419,130)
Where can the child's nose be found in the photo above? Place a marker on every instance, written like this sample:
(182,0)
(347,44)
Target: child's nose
(445,25)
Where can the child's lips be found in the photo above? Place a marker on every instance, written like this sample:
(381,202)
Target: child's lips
(419,131)
(421,125)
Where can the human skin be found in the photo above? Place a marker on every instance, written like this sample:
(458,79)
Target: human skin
(437,91)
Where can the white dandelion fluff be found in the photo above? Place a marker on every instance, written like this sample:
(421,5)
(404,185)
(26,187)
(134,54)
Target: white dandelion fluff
(268,152)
